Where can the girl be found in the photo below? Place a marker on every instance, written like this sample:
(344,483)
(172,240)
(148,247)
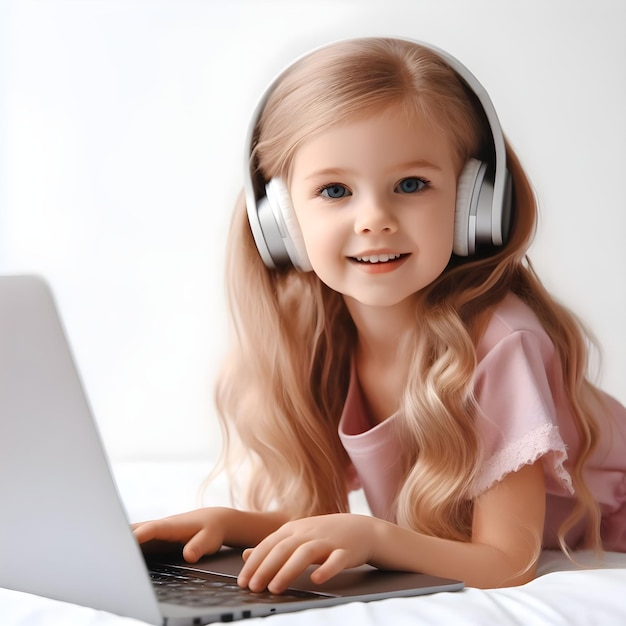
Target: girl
(391,334)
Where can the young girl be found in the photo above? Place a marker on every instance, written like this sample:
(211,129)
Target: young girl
(392,335)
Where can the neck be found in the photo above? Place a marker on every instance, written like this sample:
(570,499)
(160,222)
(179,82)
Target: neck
(380,330)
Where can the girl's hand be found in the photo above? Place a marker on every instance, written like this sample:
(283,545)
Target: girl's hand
(201,531)
(335,542)
(204,531)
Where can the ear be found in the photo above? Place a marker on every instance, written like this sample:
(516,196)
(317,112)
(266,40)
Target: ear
(279,199)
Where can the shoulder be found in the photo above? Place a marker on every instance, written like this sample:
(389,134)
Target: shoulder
(512,321)
(517,362)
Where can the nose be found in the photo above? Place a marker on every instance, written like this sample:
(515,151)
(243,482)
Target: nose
(375,216)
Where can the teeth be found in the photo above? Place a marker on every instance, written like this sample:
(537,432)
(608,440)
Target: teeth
(378,258)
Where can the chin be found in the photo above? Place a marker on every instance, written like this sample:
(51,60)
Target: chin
(382,301)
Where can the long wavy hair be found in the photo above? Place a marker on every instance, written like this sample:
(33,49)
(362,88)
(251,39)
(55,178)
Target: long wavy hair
(283,385)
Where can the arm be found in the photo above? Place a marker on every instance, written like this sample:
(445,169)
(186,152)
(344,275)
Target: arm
(506,537)
(506,540)
(204,531)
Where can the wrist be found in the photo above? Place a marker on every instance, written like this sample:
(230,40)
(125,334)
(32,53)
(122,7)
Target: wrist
(388,542)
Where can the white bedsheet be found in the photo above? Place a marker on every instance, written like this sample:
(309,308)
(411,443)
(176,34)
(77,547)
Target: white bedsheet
(560,594)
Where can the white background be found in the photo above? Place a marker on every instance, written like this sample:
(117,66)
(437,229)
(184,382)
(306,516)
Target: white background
(121,131)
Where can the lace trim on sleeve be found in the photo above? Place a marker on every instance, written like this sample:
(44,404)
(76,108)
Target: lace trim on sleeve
(545,440)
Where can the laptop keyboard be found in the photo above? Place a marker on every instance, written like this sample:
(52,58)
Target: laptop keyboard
(178,586)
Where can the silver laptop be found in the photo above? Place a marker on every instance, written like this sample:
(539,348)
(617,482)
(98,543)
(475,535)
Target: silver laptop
(63,529)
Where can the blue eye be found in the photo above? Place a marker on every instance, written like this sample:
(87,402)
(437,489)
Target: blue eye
(411,185)
(334,191)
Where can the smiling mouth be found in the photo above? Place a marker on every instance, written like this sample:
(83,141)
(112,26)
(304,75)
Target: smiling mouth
(373,259)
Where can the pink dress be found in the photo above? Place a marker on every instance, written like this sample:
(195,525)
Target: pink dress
(524,416)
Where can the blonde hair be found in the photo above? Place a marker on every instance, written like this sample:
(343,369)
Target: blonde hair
(283,386)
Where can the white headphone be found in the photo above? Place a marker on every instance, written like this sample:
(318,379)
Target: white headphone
(483,198)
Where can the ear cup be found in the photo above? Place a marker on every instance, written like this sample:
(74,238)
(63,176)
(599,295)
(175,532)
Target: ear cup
(467,196)
(279,200)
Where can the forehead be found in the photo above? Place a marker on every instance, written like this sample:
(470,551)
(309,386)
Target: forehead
(379,141)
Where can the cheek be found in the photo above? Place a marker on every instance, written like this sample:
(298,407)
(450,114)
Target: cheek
(437,239)
(317,239)
(440,225)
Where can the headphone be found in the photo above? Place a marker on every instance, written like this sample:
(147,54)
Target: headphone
(483,197)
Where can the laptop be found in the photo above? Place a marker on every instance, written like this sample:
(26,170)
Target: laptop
(63,529)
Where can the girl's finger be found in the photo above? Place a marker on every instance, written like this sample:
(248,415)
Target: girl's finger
(175,528)
(253,557)
(146,531)
(202,543)
(300,559)
(263,562)
(335,563)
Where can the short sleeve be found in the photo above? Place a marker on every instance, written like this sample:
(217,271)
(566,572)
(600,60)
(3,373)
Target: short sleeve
(517,421)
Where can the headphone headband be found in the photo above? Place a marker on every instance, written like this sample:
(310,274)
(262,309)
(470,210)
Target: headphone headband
(268,236)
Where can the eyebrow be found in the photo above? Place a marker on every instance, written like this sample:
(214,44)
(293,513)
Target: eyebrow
(420,163)
(328,171)
(338,171)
